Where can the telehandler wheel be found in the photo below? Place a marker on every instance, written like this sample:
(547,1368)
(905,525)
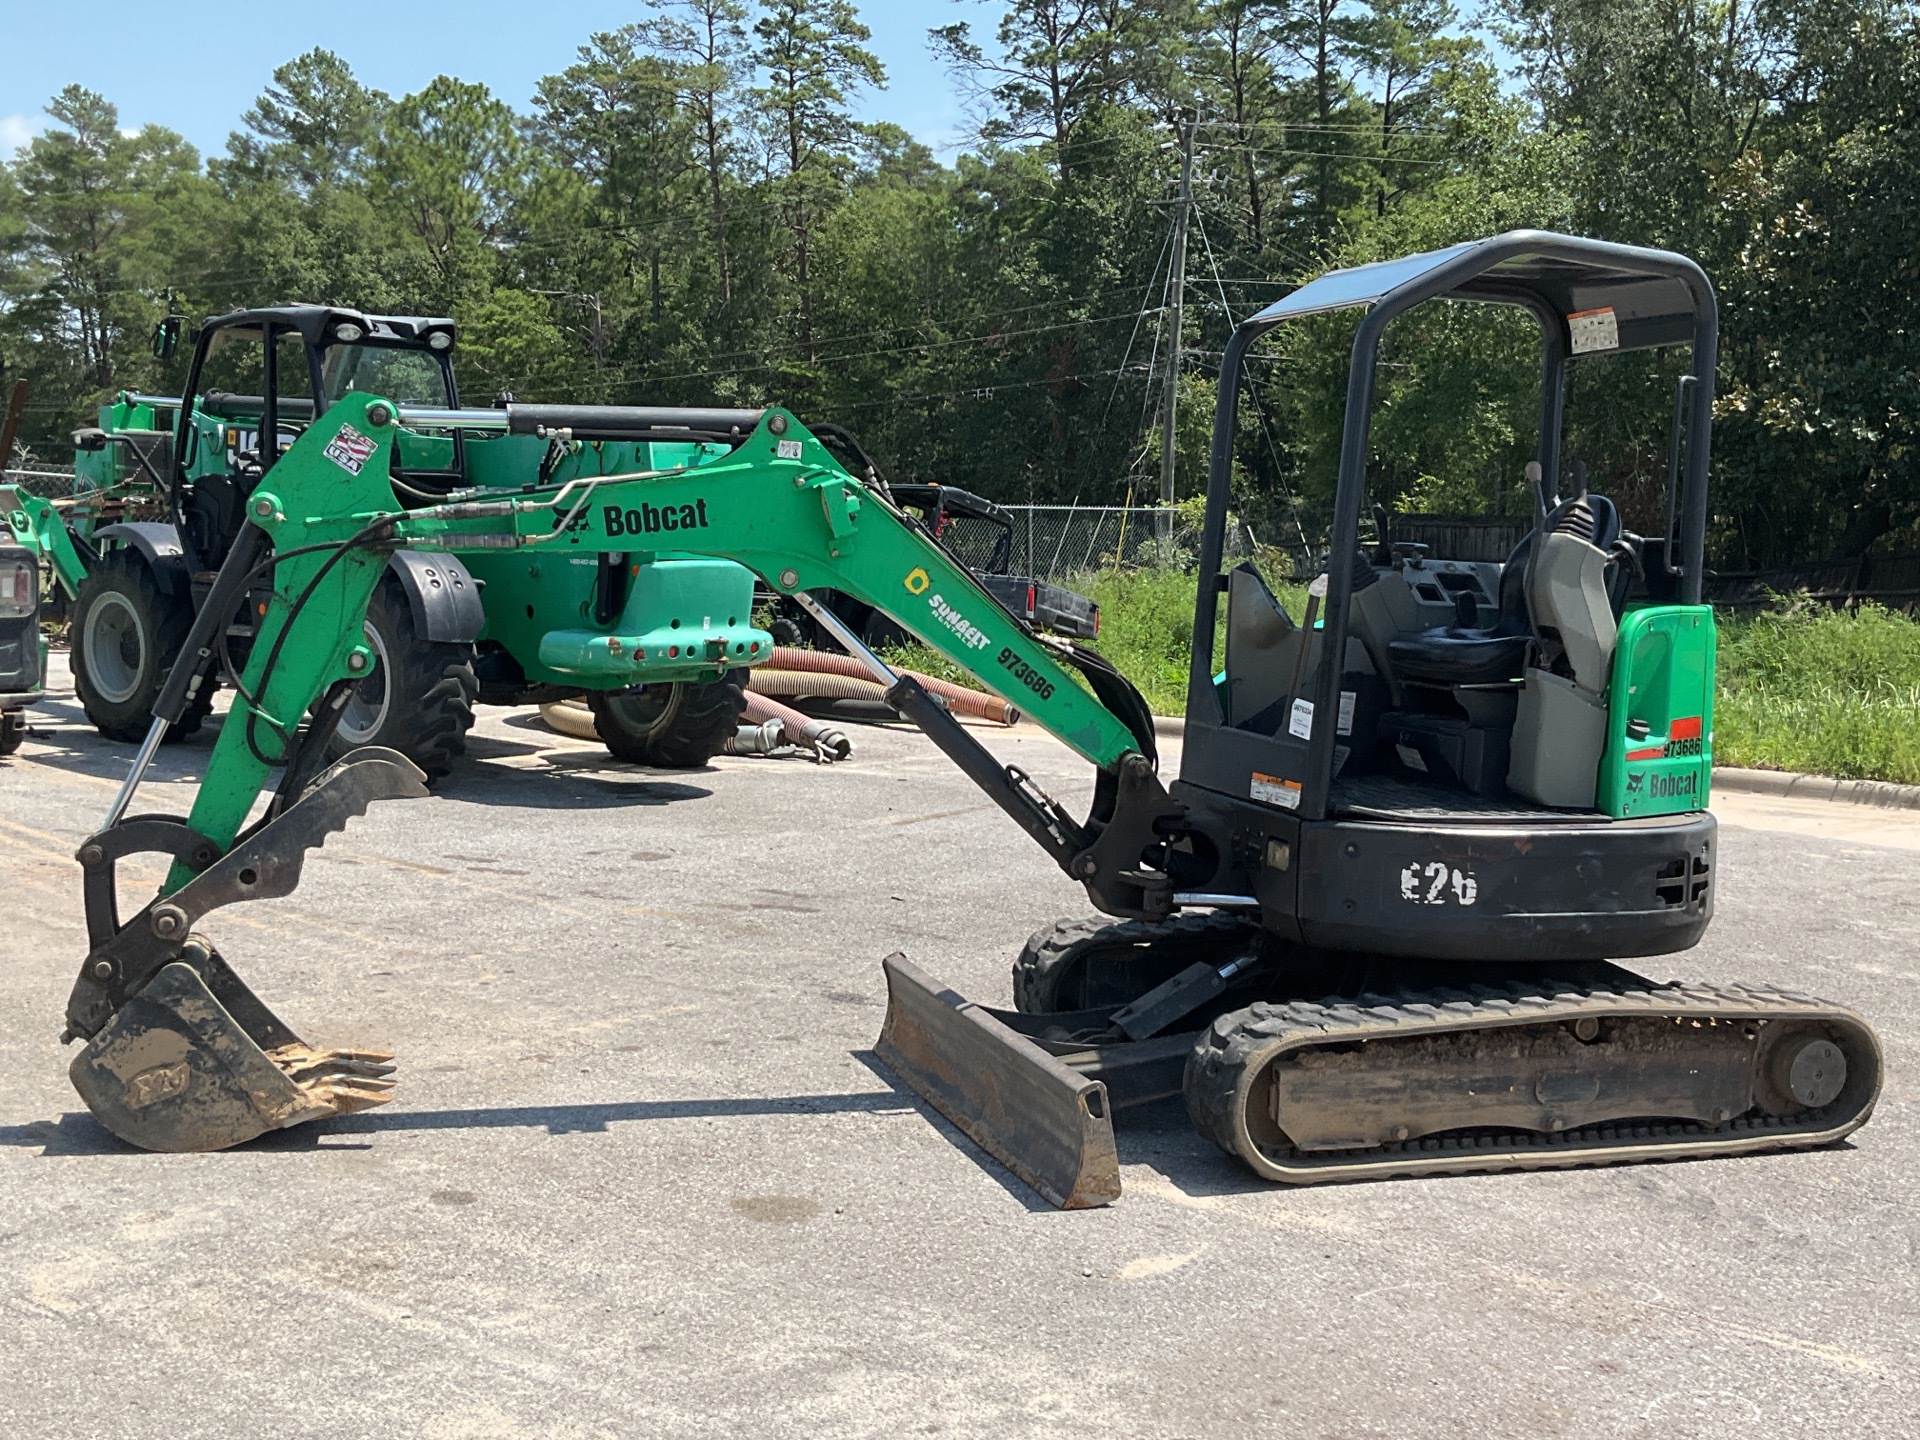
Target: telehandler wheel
(419,698)
(127,632)
(678,726)
(1100,963)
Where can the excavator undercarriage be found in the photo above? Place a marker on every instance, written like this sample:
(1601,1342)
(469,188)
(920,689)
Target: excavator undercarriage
(1421,1069)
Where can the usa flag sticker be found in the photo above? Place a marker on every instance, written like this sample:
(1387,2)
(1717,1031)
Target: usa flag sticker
(350,450)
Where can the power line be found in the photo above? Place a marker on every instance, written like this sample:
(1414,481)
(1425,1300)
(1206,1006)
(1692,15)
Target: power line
(1259,404)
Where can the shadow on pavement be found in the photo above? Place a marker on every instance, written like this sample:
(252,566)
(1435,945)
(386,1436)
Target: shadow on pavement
(561,787)
(78,1133)
(905,1098)
(72,744)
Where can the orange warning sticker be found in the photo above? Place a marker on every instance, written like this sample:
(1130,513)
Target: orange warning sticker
(1275,790)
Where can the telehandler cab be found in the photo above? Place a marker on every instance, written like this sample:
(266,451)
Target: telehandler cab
(1371,929)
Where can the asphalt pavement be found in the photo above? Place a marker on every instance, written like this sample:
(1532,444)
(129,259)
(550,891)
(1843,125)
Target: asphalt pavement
(643,1177)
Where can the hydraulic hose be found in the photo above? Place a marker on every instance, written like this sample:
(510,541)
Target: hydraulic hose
(768,726)
(976,703)
(780,725)
(830,685)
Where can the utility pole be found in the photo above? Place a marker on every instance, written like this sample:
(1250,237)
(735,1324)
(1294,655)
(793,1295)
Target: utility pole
(1177,284)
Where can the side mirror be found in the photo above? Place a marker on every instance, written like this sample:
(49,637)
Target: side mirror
(166,338)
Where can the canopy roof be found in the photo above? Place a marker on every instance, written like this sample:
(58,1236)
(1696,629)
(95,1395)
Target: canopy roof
(1651,294)
(313,321)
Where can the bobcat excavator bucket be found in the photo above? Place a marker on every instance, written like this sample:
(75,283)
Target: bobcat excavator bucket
(181,1055)
(1048,1124)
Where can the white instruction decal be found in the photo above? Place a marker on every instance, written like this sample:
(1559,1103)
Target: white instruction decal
(1436,883)
(350,450)
(1592,330)
(1346,712)
(1272,790)
(790,449)
(1411,758)
(1300,722)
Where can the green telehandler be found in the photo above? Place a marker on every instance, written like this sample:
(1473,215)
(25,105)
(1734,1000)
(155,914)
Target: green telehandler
(160,501)
(1375,927)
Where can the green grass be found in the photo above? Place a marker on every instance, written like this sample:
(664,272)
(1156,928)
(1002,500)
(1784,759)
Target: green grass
(1832,692)
(1802,686)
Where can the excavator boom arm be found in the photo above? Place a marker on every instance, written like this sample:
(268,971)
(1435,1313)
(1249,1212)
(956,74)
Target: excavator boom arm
(779,504)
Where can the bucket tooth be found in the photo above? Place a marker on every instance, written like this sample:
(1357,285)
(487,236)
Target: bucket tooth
(174,1070)
(303,1063)
(181,1055)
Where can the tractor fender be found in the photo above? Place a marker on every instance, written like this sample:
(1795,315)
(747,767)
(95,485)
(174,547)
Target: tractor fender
(444,598)
(156,543)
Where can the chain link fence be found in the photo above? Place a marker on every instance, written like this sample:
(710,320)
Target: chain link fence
(49,484)
(1049,542)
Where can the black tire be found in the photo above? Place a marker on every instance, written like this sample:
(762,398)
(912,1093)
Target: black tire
(1104,964)
(13,729)
(419,699)
(678,726)
(127,632)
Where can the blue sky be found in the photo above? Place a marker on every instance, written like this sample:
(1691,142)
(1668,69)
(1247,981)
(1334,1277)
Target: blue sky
(194,68)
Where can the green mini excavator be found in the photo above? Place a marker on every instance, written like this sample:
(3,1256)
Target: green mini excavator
(1376,926)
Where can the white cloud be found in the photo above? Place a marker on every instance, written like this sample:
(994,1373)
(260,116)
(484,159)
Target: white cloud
(17,130)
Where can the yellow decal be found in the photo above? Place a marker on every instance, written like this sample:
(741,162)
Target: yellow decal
(917,582)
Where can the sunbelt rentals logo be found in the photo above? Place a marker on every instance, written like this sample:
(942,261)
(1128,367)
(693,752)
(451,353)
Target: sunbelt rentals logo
(972,636)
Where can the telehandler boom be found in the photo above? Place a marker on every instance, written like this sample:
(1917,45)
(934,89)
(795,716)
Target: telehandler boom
(1371,930)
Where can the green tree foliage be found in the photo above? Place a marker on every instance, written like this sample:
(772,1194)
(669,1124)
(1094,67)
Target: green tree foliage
(92,220)
(310,130)
(811,54)
(690,212)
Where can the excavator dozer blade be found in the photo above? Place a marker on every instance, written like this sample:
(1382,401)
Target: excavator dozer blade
(176,1070)
(1047,1124)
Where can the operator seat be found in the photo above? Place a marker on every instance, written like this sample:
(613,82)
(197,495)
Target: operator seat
(1489,655)
(1568,591)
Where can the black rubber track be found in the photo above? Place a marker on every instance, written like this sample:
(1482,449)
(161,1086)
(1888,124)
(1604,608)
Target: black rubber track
(431,689)
(691,727)
(1237,1043)
(1098,962)
(164,620)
